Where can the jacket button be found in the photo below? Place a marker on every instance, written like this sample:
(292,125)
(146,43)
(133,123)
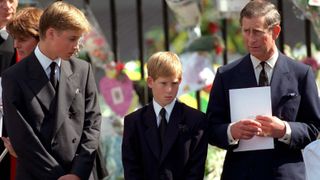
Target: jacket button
(74,140)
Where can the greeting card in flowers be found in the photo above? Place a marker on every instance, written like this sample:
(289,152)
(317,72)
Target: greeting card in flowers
(117,89)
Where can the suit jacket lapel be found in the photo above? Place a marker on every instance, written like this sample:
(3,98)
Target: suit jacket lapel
(66,92)
(172,130)
(280,78)
(39,82)
(151,133)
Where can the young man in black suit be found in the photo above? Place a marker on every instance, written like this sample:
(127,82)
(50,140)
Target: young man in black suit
(295,119)
(50,102)
(165,139)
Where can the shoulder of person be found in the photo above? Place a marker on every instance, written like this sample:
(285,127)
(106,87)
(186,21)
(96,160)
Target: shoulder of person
(75,60)
(295,66)
(137,113)
(233,65)
(78,65)
(295,63)
(190,111)
(18,68)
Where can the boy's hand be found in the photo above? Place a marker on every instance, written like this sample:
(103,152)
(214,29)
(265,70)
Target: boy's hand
(245,129)
(8,145)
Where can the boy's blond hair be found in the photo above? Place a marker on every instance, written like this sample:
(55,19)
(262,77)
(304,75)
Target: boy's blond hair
(164,64)
(62,16)
(25,23)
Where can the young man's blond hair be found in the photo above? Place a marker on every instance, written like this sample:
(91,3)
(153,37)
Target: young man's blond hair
(62,16)
(164,64)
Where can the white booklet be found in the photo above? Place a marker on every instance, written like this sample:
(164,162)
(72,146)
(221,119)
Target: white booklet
(248,103)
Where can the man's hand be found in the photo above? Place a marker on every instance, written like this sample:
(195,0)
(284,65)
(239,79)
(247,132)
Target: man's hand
(69,177)
(8,145)
(271,126)
(245,129)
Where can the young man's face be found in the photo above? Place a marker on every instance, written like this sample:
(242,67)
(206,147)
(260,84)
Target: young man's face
(164,89)
(25,45)
(65,43)
(7,10)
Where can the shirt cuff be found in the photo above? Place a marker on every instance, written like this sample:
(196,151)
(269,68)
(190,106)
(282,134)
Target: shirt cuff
(287,136)
(231,140)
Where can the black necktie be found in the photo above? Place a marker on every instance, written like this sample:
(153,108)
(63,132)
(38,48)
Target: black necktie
(263,78)
(53,79)
(1,39)
(163,125)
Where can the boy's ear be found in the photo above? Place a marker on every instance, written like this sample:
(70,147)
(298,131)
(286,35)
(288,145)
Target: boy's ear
(149,81)
(50,33)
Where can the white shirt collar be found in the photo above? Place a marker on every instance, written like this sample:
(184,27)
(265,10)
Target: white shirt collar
(271,61)
(168,108)
(3,33)
(44,60)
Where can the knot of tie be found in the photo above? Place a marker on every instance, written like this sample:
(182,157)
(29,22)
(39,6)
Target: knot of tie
(263,77)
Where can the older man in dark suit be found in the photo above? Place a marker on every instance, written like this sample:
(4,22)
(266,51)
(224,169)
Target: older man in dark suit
(50,102)
(295,119)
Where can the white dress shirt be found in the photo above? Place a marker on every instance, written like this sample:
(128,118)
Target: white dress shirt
(45,63)
(157,108)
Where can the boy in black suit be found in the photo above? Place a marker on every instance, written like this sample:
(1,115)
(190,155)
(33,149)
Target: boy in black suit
(50,102)
(164,139)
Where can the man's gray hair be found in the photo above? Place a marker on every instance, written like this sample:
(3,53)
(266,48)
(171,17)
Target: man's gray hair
(259,8)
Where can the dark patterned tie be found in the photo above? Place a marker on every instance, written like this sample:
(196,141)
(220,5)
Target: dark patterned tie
(53,79)
(263,78)
(163,125)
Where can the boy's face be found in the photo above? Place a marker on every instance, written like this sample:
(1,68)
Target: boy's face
(164,89)
(25,45)
(65,43)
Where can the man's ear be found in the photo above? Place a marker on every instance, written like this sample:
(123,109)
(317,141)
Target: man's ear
(276,31)
(150,81)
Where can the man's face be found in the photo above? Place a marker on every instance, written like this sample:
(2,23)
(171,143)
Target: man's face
(25,45)
(7,10)
(259,40)
(65,43)
(164,89)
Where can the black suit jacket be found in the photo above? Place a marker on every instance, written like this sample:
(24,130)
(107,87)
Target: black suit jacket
(7,58)
(53,133)
(294,99)
(183,154)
